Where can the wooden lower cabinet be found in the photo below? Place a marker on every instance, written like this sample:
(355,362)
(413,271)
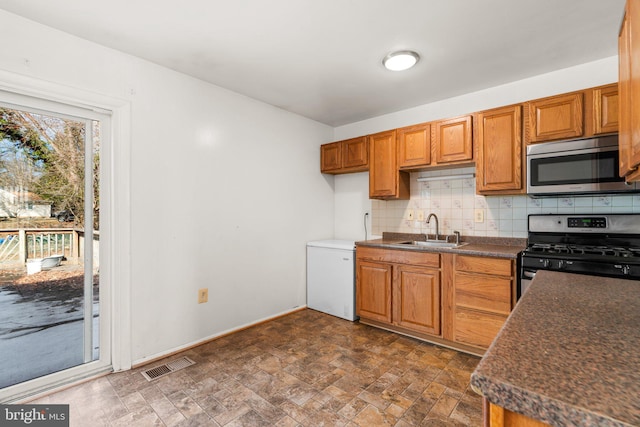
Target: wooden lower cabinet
(497,416)
(399,288)
(417,293)
(457,300)
(374,291)
(482,294)
(476,328)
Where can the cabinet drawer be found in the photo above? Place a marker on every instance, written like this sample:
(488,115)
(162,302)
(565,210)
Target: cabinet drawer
(492,294)
(494,266)
(396,256)
(477,329)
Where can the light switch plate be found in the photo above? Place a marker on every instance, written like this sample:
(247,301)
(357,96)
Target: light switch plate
(420,215)
(410,214)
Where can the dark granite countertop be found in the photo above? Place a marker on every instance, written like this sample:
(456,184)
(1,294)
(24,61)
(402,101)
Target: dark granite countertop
(569,354)
(482,246)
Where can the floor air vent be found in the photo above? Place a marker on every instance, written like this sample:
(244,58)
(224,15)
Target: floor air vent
(162,370)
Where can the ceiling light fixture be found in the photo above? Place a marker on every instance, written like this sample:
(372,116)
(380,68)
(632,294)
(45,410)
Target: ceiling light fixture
(400,60)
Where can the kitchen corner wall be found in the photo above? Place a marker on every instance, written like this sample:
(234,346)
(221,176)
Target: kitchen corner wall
(455,202)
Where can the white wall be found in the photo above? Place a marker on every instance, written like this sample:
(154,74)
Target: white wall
(505,216)
(225,190)
(351,204)
(579,77)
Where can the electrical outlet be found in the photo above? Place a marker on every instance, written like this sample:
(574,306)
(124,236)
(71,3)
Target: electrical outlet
(410,214)
(478,215)
(420,215)
(203,295)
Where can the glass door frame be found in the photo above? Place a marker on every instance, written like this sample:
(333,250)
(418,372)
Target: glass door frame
(114,115)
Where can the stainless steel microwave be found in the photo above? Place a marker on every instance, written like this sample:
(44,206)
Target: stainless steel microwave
(581,167)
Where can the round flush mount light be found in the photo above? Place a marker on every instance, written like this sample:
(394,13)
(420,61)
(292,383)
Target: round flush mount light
(400,60)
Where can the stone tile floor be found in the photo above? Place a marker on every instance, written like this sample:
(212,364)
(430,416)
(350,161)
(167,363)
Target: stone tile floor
(303,369)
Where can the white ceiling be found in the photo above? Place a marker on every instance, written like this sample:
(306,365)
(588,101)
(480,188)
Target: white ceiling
(322,58)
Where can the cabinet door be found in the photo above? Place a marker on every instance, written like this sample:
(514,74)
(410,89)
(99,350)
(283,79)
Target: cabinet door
(355,153)
(629,69)
(373,291)
(605,109)
(499,151)
(385,181)
(624,84)
(633,11)
(557,117)
(417,299)
(330,157)
(454,140)
(414,146)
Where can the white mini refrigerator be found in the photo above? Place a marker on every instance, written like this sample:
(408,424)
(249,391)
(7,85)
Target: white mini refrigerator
(331,284)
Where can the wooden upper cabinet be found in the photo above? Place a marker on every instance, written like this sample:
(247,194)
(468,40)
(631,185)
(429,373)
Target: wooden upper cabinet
(330,157)
(624,83)
(556,117)
(453,140)
(351,155)
(605,109)
(629,87)
(499,151)
(414,146)
(385,180)
(355,153)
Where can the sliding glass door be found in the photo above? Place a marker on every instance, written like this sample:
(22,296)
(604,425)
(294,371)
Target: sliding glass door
(54,317)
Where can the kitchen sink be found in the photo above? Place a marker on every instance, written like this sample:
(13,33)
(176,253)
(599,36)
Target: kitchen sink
(434,244)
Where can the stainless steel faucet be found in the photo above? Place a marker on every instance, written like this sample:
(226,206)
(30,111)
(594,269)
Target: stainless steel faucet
(437,228)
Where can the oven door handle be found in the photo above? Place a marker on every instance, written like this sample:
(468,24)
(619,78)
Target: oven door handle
(529,274)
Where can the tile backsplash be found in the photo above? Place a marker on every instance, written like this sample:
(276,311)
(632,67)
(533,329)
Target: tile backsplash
(455,203)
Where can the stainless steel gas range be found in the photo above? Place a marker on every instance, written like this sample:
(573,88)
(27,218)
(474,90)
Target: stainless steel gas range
(595,244)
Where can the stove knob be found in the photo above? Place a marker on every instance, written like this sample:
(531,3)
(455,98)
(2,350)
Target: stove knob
(545,263)
(561,264)
(625,269)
